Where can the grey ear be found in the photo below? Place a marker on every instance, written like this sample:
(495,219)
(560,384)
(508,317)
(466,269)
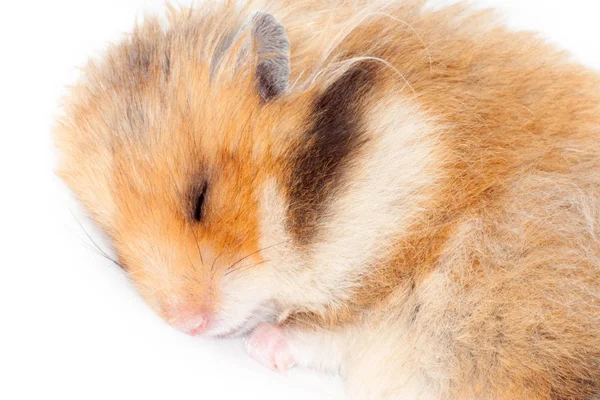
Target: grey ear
(273,46)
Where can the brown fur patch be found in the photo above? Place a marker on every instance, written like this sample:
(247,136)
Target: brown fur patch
(325,151)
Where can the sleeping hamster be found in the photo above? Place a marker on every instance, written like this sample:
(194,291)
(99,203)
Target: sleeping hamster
(405,196)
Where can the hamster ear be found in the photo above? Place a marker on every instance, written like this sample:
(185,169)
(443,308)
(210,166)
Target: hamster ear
(273,50)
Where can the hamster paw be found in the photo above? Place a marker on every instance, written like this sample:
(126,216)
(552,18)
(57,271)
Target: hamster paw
(268,345)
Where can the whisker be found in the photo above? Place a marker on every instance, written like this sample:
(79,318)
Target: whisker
(240,244)
(215,260)
(251,254)
(187,254)
(246,266)
(99,251)
(198,247)
(95,251)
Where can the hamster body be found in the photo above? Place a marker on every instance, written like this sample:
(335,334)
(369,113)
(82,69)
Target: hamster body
(407,197)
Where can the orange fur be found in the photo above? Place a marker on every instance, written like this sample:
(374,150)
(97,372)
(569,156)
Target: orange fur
(494,279)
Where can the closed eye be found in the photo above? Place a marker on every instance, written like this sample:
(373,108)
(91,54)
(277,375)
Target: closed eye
(199,204)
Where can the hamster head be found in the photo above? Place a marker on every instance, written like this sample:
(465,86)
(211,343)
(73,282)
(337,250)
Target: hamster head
(188,147)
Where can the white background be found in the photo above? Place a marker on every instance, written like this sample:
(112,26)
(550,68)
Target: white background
(71,326)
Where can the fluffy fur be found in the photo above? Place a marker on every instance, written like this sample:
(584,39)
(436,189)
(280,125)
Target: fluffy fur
(417,209)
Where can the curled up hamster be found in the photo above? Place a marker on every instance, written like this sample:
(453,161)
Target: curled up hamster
(408,197)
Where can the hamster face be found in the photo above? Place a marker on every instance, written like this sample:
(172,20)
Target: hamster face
(186,216)
(184,220)
(181,204)
(172,156)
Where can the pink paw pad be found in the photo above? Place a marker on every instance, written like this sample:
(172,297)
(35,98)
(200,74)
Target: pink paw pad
(268,345)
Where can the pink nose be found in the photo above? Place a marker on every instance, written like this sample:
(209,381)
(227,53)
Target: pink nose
(195,325)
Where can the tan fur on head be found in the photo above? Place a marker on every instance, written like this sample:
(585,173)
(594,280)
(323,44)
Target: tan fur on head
(414,192)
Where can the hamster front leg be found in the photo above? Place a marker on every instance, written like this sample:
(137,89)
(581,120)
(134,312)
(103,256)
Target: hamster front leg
(281,347)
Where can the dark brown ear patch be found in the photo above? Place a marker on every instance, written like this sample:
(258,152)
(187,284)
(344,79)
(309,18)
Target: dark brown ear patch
(334,136)
(273,47)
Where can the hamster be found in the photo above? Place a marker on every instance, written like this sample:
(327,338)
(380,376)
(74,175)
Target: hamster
(408,197)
